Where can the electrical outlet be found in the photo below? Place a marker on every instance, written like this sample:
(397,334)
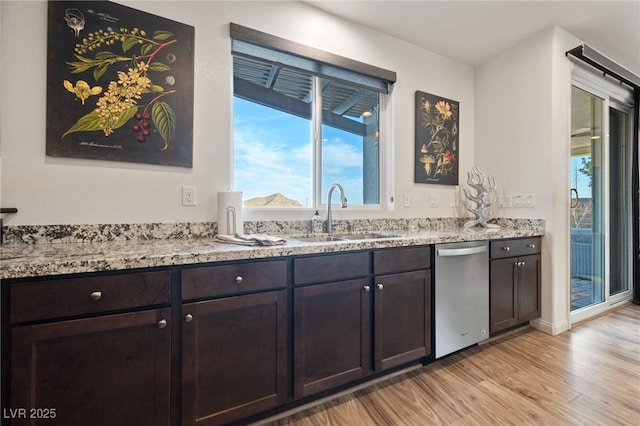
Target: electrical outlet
(189,196)
(433,200)
(407,200)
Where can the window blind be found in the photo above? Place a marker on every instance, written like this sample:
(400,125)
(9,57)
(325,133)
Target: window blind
(255,44)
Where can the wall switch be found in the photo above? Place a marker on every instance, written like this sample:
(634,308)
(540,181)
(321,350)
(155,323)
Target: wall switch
(505,201)
(407,200)
(523,200)
(189,196)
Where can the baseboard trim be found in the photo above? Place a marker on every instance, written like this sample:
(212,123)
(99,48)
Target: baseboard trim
(550,328)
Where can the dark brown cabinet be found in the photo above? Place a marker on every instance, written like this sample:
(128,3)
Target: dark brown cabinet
(101,370)
(514,282)
(356,319)
(331,335)
(210,344)
(402,306)
(402,331)
(234,349)
(331,321)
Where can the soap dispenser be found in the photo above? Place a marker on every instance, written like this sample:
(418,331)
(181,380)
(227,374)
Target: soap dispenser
(314,220)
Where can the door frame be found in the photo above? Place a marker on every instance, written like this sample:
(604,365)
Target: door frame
(620,98)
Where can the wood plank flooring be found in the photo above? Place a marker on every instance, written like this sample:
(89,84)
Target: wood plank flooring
(587,376)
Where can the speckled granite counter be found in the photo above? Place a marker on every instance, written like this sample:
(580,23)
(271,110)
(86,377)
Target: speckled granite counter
(110,251)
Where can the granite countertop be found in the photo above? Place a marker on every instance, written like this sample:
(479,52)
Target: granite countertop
(45,259)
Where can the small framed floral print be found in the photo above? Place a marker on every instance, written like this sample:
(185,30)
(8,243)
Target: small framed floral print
(119,84)
(437,131)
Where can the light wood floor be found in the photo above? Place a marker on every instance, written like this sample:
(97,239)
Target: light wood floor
(587,376)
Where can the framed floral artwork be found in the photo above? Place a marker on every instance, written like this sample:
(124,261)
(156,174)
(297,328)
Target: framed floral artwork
(119,84)
(437,130)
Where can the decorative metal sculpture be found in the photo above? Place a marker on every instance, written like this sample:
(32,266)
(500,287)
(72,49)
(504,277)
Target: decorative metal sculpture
(480,201)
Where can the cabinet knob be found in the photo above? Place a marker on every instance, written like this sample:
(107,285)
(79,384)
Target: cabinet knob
(506,248)
(238,279)
(531,246)
(380,286)
(96,295)
(366,288)
(188,318)
(162,323)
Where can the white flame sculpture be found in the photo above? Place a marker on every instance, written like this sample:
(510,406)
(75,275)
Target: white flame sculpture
(481,200)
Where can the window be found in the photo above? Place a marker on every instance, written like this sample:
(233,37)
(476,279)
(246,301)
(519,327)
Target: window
(303,123)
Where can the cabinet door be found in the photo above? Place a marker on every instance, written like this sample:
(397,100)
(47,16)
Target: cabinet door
(331,335)
(528,288)
(109,370)
(234,359)
(503,294)
(402,318)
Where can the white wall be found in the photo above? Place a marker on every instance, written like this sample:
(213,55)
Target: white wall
(49,190)
(522,134)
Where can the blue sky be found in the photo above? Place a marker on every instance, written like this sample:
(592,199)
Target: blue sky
(273,154)
(579,180)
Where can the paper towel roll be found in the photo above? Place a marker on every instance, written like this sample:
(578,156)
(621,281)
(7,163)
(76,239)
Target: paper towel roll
(230,219)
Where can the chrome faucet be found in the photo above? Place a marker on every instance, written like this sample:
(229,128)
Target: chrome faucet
(343,202)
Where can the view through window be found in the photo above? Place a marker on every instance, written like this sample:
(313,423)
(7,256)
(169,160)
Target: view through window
(295,134)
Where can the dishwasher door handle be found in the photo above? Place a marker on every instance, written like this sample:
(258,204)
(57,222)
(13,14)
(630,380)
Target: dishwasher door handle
(461,251)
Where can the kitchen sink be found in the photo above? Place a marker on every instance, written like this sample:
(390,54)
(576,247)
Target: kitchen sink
(345,237)
(319,238)
(376,235)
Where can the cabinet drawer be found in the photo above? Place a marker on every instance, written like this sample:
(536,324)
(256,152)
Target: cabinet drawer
(515,247)
(33,301)
(400,260)
(235,278)
(334,267)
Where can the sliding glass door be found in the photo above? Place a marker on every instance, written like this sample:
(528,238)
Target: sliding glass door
(587,204)
(620,131)
(601,227)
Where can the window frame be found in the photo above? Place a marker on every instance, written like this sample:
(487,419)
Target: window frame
(253,44)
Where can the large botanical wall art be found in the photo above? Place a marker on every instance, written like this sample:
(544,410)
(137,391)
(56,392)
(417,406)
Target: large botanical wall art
(119,84)
(437,130)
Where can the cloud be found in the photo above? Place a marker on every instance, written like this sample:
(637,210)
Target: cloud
(273,153)
(265,163)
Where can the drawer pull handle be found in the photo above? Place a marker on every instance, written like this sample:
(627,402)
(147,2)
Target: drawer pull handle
(506,248)
(380,286)
(188,318)
(239,279)
(531,246)
(96,295)
(366,288)
(162,323)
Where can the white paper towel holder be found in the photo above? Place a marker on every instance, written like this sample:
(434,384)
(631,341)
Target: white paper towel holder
(231,220)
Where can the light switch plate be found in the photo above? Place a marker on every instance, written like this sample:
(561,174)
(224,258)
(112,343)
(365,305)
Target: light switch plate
(523,200)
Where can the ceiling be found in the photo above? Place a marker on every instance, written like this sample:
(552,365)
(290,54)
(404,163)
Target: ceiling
(472,32)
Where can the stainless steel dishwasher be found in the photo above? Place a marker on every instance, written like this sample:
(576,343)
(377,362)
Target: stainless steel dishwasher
(461,295)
